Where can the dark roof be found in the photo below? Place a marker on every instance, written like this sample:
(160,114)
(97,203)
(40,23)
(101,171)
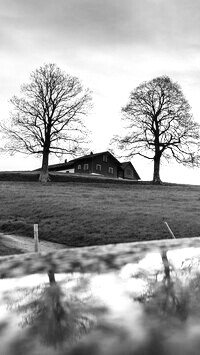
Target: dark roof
(91,155)
(60,166)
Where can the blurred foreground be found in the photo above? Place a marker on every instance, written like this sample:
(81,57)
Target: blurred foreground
(128,299)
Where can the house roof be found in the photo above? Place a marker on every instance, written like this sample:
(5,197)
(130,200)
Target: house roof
(60,166)
(91,155)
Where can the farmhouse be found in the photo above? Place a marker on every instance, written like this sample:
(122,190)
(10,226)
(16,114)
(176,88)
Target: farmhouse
(103,163)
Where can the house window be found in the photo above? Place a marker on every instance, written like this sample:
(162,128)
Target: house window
(110,170)
(85,167)
(79,167)
(105,158)
(98,167)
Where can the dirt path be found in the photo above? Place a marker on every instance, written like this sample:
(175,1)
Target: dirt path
(27,244)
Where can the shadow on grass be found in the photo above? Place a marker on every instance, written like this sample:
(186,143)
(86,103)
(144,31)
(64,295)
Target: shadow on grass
(5,250)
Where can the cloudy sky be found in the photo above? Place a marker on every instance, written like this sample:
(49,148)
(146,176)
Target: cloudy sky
(112,46)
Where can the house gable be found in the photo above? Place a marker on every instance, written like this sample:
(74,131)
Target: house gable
(129,171)
(101,163)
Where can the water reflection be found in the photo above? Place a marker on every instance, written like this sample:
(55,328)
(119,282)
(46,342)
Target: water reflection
(52,319)
(168,297)
(150,307)
(51,316)
(168,320)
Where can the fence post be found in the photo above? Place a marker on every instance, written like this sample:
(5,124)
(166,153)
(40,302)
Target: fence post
(170,231)
(36,239)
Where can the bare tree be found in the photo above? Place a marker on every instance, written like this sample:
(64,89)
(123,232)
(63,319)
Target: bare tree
(160,124)
(48,117)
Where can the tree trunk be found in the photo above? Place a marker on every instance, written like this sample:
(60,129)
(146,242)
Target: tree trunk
(51,276)
(156,172)
(44,174)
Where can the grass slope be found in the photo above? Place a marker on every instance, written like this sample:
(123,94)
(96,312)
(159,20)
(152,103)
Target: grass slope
(4,250)
(80,214)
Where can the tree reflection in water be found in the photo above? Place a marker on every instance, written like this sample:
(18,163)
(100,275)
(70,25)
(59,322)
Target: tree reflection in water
(170,321)
(54,318)
(164,320)
(168,297)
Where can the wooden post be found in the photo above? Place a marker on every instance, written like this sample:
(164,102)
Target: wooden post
(36,238)
(170,231)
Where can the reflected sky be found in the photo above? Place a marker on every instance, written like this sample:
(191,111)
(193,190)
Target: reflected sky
(151,306)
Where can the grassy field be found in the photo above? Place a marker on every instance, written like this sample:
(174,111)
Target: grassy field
(80,214)
(4,250)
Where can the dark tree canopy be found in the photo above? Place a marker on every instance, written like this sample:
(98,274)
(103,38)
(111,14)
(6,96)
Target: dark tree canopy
(159,124)
(47,118)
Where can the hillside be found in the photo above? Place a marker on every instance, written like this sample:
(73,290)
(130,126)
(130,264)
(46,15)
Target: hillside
(80,214)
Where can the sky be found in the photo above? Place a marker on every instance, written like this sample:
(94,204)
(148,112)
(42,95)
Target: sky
(111,46)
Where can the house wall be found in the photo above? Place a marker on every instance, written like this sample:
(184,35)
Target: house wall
(93,161)
(120,173)
(66,171)
(129,173)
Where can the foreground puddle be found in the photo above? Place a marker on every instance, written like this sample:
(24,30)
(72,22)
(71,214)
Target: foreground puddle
(142,300)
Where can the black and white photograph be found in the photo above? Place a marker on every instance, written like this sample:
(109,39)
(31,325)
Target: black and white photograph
(99,177)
